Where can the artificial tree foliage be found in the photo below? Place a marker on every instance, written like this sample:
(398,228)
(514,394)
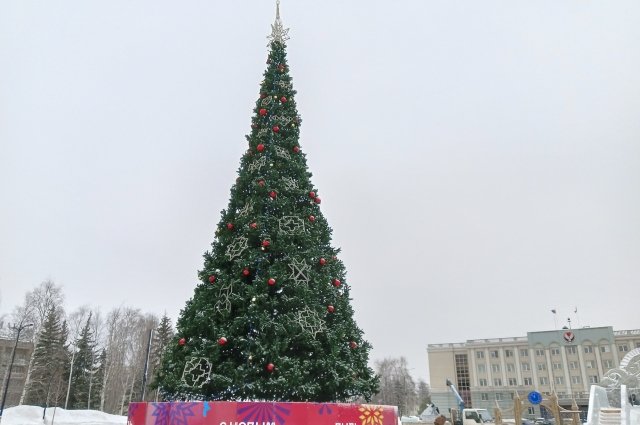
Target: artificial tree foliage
(271,318)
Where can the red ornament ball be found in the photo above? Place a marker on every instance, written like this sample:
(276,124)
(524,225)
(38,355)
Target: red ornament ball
(276,129)
(271,281)
(222,340)
(322,261)
(182,341)
(245,272)
(266,243)
(263,95)
(312,194)
(270,367)
(273,194)
(317,200)
(263,112)
(283,99)
(312,218)
(212,278)
(254,225)
(260,147)
(230,226)
(331,308)
(296,149)
(353,345)
(336,283)
(261,182)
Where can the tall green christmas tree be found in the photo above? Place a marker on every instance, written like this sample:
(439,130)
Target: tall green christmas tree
(271,318)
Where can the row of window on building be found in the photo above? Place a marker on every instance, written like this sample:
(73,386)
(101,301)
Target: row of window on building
(555,351)
(542,380)
(574,365)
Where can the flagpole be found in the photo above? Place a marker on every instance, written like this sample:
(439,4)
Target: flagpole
(575,311)
(555,319)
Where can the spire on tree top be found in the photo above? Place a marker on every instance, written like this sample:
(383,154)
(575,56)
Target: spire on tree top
(278,32)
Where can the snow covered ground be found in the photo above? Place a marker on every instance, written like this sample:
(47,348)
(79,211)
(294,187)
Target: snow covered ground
(32,415)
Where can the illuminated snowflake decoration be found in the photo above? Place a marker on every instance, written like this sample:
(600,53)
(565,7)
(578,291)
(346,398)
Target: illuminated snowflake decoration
(266,101)
(196,372)
(278,32)
(257,164)
(282,152)
(284,84)
(289,183)
(235,249)
(290,224)
(244,211)
(371,415)
(281,119)
(299,271)
(263,131)
(224,302)
(309,321)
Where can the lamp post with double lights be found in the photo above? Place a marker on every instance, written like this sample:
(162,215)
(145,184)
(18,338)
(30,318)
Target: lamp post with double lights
(13,356)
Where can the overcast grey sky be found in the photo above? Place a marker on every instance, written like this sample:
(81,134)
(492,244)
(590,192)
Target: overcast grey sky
(479,161)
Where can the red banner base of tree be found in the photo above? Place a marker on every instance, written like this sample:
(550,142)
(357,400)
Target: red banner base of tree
(260,413)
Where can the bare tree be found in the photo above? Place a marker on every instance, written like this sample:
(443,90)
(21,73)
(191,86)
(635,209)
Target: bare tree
(396,385)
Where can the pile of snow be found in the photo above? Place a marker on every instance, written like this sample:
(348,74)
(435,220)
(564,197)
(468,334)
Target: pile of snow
(32,415)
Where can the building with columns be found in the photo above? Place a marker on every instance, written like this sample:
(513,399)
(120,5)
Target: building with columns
(567,361)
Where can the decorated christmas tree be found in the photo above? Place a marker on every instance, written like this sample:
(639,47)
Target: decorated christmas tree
(271,318)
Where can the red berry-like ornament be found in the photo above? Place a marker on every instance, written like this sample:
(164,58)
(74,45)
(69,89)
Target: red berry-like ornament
(331,308)
(230,226)
(270,367)
(336,283)
(260,147)
(263,95)
(254,225)
(312,194)
(296,149)
(312,218)
(353,345)
(283,99)
(276,129)
(317,200)
(271,281)
(222,340)
(265,243)
(182,341)
(261,182)
(273,194)
(212,278)
(245,272)
(263,112)
(322,261)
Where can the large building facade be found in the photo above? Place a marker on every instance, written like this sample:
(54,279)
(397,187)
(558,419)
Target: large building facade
(567,361)
(20,364)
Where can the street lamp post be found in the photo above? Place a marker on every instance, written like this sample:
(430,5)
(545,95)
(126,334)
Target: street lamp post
(13,356)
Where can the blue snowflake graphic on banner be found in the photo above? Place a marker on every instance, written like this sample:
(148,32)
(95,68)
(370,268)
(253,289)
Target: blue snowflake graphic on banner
(325,408)
(173,413)
(262,413)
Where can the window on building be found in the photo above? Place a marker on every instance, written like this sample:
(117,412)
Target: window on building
(508,353)
(513,382)
(497,382)
(541,366)
(484,396)
(511,367)
(539,352)
(498,396)
(482,382)
(511,396)
(605,348)
(623,348)
(479,354)
(571,349)
(482,368)
(573,365)
(559,380)
(593,379)
(494,354)
(527,381)
(526,366)
(531,410)
(590,364)
(555,351)
(495,368)
(588,349)
(544,380)
(524,352)
(557,366)
(576,380)
(607,363)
